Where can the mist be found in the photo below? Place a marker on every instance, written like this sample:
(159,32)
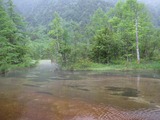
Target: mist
(28,5)
(150,2)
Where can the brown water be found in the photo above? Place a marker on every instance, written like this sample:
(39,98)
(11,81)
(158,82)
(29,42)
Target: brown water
(42,93)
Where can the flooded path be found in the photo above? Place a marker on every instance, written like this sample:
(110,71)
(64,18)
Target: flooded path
(44,93)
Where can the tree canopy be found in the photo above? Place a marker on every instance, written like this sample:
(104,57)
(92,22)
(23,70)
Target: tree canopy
(78,31)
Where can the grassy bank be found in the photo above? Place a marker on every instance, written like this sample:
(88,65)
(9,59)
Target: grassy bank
(146,65)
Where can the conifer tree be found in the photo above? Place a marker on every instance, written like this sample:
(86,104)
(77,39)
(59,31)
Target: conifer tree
(56,33)
(7,31)
(16,18)
(12,50)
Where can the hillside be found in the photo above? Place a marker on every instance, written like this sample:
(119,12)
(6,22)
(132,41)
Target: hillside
(41,12)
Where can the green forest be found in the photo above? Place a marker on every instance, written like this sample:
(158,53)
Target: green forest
(80,34)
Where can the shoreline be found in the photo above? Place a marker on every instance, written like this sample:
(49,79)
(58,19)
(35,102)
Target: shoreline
(150,66)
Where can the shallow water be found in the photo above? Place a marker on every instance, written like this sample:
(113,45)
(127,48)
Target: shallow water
(44,93)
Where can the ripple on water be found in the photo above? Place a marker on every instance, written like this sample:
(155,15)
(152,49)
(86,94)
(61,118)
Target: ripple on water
(114,114)
(146,114)
(84,118)
(46,101)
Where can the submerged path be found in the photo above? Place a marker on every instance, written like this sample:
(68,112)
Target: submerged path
(45,93)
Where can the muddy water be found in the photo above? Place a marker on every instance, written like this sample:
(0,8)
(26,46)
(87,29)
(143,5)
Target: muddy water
(44,93)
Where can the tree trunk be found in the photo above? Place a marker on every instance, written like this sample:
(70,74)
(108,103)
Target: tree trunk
(137,42)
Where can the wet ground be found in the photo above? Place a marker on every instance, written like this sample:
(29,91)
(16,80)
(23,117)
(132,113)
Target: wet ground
(45,93)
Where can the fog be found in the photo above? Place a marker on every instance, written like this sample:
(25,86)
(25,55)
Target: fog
(25,6)
(28,5)
(151,2)
(29,8)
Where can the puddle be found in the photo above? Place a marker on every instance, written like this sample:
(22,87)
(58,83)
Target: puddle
(46,94)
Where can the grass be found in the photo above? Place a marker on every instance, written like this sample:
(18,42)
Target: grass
(97,66)
(145,65)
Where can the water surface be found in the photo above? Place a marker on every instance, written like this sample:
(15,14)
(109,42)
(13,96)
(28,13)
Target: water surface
(46,93)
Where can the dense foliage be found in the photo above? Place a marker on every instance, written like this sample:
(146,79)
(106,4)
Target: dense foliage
(76,33)
(12,38)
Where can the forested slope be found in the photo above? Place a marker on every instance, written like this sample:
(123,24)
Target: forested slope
(40,11)
(76,33)
(76,10)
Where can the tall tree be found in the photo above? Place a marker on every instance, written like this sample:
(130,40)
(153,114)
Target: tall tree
(128,22)
(18,21)
(12,50)
(105,47)
(7,32)
(56,32)
(97,21)
(134,9)
(16,18)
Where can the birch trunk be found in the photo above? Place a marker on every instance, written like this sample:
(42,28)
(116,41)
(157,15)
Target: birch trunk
(137,42)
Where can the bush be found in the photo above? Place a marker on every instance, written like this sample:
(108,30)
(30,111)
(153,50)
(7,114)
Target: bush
(82,64)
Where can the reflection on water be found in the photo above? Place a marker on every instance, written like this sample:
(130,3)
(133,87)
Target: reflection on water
(42,93)
(130,92)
